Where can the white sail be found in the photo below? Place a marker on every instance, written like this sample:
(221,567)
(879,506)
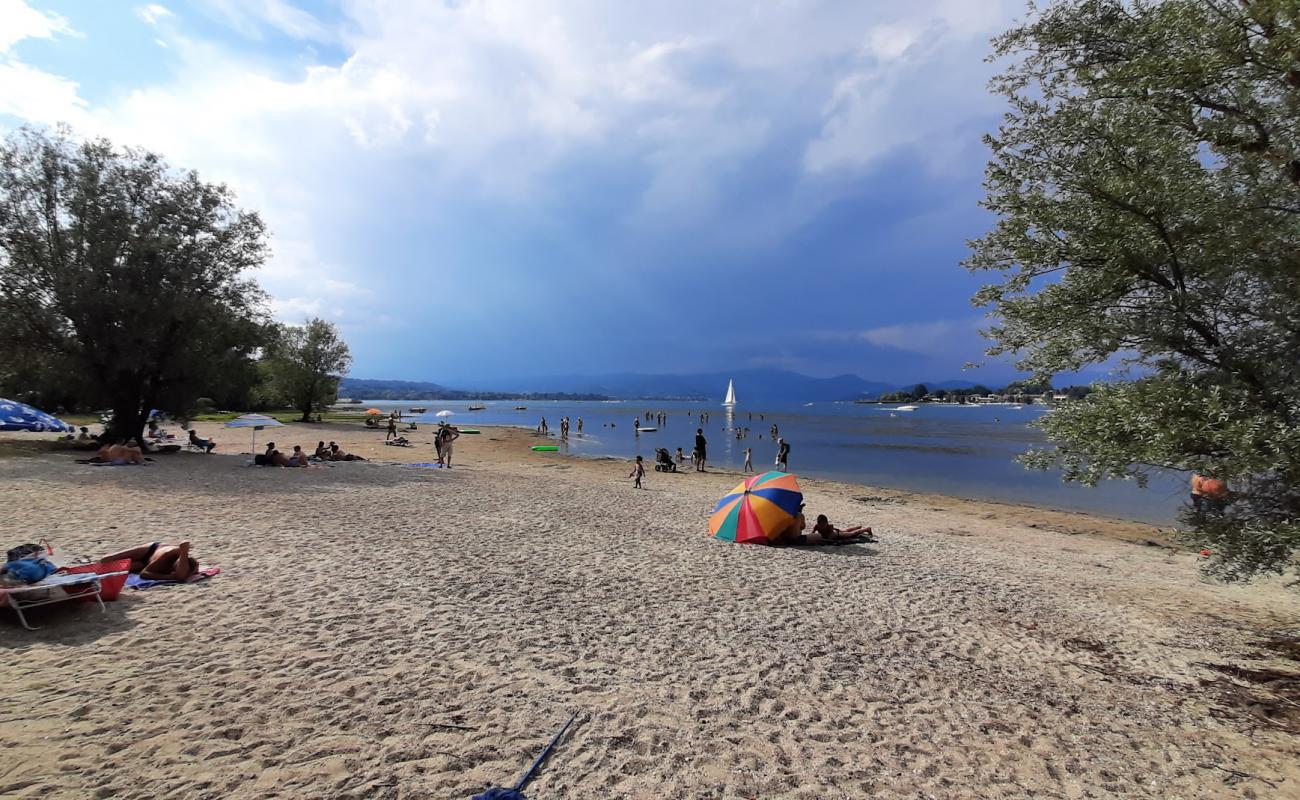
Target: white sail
(731,394)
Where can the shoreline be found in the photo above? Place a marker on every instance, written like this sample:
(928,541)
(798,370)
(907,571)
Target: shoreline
(353,437)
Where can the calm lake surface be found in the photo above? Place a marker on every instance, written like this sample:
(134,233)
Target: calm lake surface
(966,451)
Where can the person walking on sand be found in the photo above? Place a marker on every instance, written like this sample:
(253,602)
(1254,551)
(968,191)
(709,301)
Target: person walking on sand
(783,455)
(447,436)
(749,464)
(638,472)
(392,427)
(701,451)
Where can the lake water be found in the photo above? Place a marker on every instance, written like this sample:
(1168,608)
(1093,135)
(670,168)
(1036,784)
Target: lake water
(966,451)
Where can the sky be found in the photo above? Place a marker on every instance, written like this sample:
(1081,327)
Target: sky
(473,189)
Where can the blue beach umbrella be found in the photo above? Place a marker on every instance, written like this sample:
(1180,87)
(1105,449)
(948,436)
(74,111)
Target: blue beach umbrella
(15,416)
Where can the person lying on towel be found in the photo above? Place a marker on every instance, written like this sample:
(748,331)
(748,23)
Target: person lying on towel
(828,532)
(159,561)
(822,532)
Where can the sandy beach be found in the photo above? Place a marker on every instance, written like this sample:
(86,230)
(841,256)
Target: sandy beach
(384,631)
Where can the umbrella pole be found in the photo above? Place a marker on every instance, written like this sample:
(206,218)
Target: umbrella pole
(253,447)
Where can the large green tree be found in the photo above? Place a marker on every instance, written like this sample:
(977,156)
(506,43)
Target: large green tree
(120,278)
(1146,179)
(305,364)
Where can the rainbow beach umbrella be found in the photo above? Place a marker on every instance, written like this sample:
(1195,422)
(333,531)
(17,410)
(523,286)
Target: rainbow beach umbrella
(758,508)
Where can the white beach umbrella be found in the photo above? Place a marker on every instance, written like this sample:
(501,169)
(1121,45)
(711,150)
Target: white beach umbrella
(256,422)
(445,413)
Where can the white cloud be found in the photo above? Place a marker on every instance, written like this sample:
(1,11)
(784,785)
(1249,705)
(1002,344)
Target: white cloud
(932,337)
(485,99)
(20,21)
(37,96)
(252,17)
(26,92)
(916,82)
(153,13)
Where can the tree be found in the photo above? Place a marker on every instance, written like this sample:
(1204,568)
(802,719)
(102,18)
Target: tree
(1146,180)
(121,277)
(306,363)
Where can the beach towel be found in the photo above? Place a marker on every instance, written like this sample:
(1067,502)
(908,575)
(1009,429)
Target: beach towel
(425,465)
(136,582)
(864,539)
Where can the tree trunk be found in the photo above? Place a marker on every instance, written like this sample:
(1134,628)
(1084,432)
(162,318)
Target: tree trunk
(128,420)
(308,399)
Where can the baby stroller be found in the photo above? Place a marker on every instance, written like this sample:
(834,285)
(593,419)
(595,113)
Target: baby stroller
(664,460)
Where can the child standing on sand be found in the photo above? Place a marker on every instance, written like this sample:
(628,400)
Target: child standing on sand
(749,464)
(638,472)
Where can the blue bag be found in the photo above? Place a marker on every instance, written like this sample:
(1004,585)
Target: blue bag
(30,570)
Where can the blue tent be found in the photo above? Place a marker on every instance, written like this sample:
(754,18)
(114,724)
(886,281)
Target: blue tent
(15,416)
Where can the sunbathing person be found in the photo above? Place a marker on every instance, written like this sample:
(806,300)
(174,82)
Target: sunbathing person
(337,454)
(121,454)
(159,561)
(794,532)
(299,458)
(829,532)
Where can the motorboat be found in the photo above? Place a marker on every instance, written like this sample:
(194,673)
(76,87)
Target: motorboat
(906,408)
(417,410)
(477,408)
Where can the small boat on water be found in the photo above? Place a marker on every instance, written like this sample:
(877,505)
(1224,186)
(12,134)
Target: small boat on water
(730,399)
(521,408)
(417,410)
(477,408)
(906,408)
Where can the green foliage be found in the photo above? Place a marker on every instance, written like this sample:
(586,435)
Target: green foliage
(1146,180)
(305,365)
(121,281)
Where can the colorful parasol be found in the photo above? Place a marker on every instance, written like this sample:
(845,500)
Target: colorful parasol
(370,412)
(758,509)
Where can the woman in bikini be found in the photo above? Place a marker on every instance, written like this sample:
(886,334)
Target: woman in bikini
(823,531)
(159,561)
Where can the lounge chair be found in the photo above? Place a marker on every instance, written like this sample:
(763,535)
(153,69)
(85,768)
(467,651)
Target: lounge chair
(51,590)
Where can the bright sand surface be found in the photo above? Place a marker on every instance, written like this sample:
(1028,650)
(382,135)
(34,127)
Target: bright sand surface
(390,632)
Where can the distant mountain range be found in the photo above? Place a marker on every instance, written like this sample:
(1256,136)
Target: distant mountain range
(752,386)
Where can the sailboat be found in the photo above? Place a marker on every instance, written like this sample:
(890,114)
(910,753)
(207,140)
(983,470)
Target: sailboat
(731,394)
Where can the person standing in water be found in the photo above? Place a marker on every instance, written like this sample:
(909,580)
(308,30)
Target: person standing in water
(749,464)
(542,428)
(701,452)
(638,472)
(579,426)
